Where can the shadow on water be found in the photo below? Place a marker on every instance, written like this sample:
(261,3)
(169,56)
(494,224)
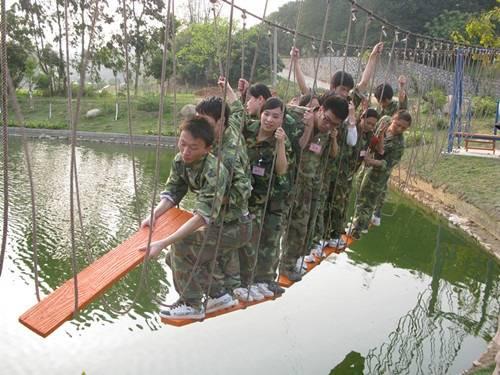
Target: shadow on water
(461,300)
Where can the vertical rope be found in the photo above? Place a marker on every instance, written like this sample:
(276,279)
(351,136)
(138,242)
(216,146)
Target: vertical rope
(325,24)
(254,62)
(243,17)
(363,46)
(217,47)
(129,110)
(5,134)
(174,72)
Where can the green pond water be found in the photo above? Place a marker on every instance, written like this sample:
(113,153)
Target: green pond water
(414,296)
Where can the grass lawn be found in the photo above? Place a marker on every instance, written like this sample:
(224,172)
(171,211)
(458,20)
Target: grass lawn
(144,112)
(474,179)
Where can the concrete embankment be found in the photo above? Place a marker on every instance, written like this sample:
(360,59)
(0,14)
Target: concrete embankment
(62,134)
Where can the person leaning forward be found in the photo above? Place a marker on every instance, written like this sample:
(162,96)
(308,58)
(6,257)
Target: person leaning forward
(194,248)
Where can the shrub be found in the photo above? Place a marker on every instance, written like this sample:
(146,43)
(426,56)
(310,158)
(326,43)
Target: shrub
(167,132)
(151,103)
(442,123)
(436,97)
(418,138)
(484,106)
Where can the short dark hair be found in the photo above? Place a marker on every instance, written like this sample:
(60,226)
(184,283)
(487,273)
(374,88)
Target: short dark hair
(306,99)
(342,78)
(199,128)
(212,106)
(259,89)
(384,91)
(404,115)
(337,105)
(370,112)
(273,103)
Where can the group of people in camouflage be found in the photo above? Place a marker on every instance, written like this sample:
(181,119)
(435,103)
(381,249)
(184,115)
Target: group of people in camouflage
(271,184)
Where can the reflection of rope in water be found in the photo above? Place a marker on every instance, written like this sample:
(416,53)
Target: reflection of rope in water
(434,330)
(405,351)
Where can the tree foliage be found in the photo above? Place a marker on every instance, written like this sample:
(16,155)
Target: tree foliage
(483,29)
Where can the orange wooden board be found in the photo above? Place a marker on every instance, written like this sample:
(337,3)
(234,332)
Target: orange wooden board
(287,283)
(51,312)
(239,306)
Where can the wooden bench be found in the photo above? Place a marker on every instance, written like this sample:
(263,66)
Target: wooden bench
(476,141)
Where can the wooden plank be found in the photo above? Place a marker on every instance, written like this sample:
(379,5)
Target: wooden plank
(239,306)
(50,313)
(287,283)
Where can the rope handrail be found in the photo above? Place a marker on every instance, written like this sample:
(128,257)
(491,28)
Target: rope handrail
(374,16)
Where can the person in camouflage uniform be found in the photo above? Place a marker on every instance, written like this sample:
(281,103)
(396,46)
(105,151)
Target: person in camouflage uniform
(335,187)
(315,144)
(230,144)
(378,169)
(384,94)
(388,107)
(193,251)
(267,146)
(350,159)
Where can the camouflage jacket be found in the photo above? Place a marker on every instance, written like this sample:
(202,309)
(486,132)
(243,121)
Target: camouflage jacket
(201,179)
(235,159)
(364,140)
(315,155)
(393,152)
(343,165)
(261,155)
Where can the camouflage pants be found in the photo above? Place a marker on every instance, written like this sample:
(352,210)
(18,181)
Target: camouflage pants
(318,208)
(297,235)
(373,187)
(337,204)
(263,254)
(192,283)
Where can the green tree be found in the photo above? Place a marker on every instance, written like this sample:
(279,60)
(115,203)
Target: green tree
(448,22)
(482,29)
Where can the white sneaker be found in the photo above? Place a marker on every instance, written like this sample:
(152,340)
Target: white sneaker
(181,310)
(317,251)
(338,243)
(256,294)
(310,258)
(376,220)
(243,295)
(222,302)
(262,288)
(301,266)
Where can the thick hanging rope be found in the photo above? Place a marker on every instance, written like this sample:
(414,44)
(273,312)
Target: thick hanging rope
(243,32)
(217,46)
(218,168)
(174,73)
(129,110)
(219,156)
(145,268)
(73,123)
(5,134)
(28,157)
